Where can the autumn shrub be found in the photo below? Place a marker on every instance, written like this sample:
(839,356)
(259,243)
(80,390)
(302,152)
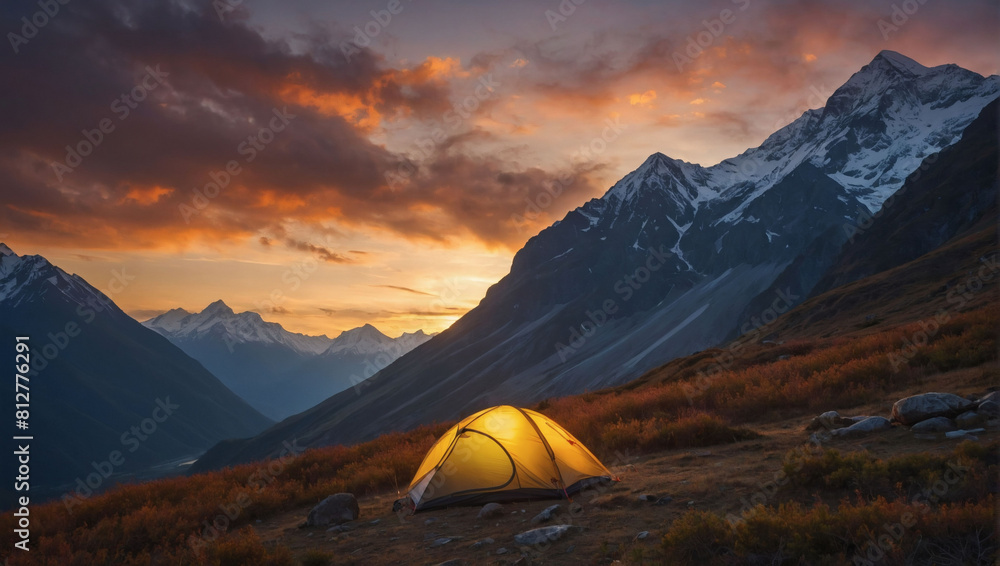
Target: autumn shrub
(860,532)
(962,474)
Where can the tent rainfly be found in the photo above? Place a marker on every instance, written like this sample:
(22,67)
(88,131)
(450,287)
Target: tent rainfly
(503,454)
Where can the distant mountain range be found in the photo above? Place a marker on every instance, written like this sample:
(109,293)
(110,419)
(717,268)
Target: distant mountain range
(280,373)
(677,257)
(100,382)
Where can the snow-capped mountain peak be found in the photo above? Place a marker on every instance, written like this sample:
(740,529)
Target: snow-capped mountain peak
(899,62)
(245,327)
(25,277)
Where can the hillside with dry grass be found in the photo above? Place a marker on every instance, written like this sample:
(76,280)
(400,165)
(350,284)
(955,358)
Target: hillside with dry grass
(751,411)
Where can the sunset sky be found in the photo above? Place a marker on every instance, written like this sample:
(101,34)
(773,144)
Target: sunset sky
(404,150)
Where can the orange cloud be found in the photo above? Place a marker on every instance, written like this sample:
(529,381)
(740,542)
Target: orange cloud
(642,99)
(146,196)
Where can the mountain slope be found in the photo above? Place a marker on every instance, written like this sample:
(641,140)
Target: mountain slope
(952,192)
(662,264)
(279,373)
(96,373)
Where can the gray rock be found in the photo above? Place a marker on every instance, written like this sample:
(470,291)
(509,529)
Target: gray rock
(541,535)
(454,562)
(649,497)
(430,521)
(866,426)
(916,408)
(440,542)
(642,535)
(570,548)
(481,543)
(970,419)
(935,424)
(502,550)
(830,420)
(339,529)
(375,522)
(993,397)
(490,510)
(664,500)
(339,508)
(969,434)
(546,515)
(989,409)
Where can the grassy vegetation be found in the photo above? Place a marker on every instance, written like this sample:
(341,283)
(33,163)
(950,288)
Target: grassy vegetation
(204,519)
(939,510)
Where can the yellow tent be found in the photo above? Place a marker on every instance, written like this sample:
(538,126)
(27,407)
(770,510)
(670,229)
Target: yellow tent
(503,454)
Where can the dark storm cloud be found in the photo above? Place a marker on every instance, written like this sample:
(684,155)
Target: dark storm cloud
(164,97)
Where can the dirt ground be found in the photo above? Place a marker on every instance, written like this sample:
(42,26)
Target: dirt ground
(607,527)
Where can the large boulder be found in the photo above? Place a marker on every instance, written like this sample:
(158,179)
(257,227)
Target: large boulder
(989,409)
(936,424)
(868,425)
(339,508)
(912,410)
(970,419)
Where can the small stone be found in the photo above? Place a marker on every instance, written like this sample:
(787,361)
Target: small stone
(546,515)
(338,508)
(570,548)
(865,426)
(430,521)
(664,500)
(642,535)
(452,562)
(964,434)
(375,522)
(481,543)
(690,503)
(935,424)
(541,535)
(440,542)
(501,550)
(490,510)
(649,497)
